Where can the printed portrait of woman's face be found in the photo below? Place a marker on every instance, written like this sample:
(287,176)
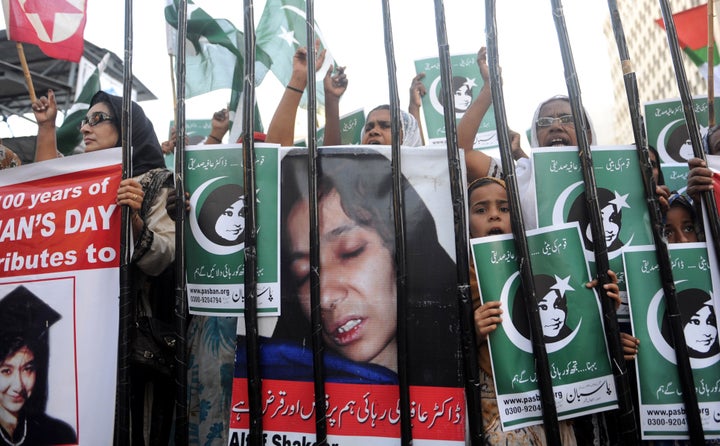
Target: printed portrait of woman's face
(611,224)
(701,330)
(231,223)
(462,99)
(553,312)
(358,290)
(17,379)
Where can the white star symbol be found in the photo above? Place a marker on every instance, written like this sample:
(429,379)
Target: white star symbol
(620,201)
(562,285)
(470,82)
(288,36)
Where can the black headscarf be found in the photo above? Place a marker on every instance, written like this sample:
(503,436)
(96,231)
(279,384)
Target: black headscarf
(146,151)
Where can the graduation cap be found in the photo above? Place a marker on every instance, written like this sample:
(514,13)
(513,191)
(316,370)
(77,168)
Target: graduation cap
(24,314)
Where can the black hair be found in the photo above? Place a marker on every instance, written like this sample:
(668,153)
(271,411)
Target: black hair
(363,182)
(578,213)
(690,302)
(146,151)
(215,205)
(543,284)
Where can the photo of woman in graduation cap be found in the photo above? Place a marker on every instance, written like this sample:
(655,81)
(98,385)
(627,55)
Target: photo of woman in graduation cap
(25,321)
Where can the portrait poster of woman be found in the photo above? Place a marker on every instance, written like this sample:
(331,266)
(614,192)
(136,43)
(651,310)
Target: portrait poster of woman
(696,281)
(215,229)
(620,193)
(466,84)
(571,321)
(358,298)
(38,391)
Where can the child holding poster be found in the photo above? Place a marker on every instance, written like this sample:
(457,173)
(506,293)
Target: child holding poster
(489,214)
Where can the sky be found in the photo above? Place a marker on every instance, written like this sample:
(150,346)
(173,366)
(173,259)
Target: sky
(529,53)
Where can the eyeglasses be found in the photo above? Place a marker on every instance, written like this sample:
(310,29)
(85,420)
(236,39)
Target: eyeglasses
(547,121)
(95,119)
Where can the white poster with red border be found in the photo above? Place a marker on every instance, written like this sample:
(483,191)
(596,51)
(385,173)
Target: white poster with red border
(60,239)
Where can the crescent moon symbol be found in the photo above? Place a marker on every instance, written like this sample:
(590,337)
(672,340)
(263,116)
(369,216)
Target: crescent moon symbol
(207,245)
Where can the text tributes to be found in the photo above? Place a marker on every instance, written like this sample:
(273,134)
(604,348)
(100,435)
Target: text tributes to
(216,225)
(359,306)
(662,413)
(570,313)
(60,244)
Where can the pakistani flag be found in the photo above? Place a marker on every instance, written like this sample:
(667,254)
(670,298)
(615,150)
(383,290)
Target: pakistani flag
(692,32)
(68,134)
(280,32)
(215,59)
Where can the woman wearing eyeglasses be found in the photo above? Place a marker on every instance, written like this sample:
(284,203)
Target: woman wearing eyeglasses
(145,193)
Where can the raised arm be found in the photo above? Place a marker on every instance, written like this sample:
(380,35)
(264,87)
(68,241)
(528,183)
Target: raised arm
(417,91)
(45,110)
(335,86)
(282,126)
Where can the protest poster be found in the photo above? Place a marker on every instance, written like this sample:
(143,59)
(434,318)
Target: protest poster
(573,332)
(466,84)
(667,132)
(215,229)
(196,131)
(351,129)
(59,288)
(359,305)
(662,413)
(621,198)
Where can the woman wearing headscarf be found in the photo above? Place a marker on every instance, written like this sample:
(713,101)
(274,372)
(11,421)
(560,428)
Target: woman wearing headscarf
(145,192)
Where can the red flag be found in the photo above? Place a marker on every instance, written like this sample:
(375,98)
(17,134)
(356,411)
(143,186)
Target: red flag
(691,26)
(56,26)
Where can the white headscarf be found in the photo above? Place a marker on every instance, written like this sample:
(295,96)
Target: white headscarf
(411,130)
(533,127)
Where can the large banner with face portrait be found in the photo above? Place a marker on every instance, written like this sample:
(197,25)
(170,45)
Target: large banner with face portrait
(215,229)
(466,85)
(59,288)
(358,304)
(667,133)
(662,413)
(570,314)
(621,198)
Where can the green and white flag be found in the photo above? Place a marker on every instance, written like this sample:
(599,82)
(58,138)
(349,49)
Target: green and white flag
(572,327)
(280,32)
(667,132)
(215,229)
(662,413)
(215,59)
(466,85)
(620,193)
(68,134)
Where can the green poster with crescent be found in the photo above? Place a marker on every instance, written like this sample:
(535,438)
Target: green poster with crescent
(662,413)
(667,132)
(215,229)
(572,327)
(466,85)
(620,193)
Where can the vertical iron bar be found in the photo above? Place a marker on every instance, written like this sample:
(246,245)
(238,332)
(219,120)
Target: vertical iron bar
(318,344)
(522,250)
(626,420)
(400,241)
(252,335)
(695,428)
(126,301)
(181,405)
(457,191)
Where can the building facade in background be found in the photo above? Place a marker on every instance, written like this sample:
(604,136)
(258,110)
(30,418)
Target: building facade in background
(649,53)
